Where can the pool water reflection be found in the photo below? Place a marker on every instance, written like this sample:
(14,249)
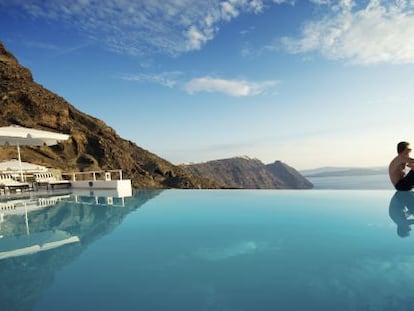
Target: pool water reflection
(213,250)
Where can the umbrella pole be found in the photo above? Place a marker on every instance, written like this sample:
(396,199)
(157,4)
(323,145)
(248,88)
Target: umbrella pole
(20,162)
(26,219)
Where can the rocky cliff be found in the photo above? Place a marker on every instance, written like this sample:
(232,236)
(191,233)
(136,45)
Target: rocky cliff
(288,176)
(92,144)
(246,173)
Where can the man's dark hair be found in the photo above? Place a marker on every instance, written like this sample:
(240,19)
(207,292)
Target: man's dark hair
(401,146)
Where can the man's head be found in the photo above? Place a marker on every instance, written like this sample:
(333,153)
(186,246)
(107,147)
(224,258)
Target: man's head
(403,147)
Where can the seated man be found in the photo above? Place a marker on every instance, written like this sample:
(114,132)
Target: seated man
(396,169)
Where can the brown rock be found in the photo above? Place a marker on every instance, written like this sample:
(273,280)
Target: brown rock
(92,144)
(246,173)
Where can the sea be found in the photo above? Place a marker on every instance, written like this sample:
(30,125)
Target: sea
(368,182)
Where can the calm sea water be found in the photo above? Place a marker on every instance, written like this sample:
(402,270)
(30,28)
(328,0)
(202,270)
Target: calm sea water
(211,250)
(369,182)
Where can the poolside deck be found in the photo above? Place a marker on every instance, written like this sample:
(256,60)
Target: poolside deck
(10,181)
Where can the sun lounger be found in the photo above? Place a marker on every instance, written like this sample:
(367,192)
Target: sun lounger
(8,183)
(50,181)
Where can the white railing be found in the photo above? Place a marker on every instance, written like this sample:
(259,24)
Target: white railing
(104,175)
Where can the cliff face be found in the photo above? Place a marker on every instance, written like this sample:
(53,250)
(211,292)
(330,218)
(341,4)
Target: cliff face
(250,174)
(92,144)
(289,176)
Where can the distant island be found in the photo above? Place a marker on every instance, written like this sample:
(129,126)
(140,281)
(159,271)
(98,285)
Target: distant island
(95,146)
(344,171)
(368,178)
(247,173)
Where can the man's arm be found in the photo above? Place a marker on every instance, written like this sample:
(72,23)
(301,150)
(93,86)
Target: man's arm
(410,163)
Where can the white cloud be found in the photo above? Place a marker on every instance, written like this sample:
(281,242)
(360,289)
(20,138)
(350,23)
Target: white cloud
(257,5)
(321,2)
(380,32)
(41,45)
(195,38)
(228,11)
(228,87)
(168,79)
(174,79)
(53,49)
(144,26)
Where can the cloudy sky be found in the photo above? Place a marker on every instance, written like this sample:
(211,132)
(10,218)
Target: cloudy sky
(309,82)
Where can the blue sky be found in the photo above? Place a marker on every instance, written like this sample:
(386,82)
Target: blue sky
(311,83)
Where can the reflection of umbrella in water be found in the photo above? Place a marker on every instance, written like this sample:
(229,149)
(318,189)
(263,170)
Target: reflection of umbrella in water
(22,136)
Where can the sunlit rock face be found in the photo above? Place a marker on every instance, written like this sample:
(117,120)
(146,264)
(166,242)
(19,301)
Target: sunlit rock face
(92,145)
(246,173)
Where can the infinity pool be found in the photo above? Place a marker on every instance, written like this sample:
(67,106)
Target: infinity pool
(211,250)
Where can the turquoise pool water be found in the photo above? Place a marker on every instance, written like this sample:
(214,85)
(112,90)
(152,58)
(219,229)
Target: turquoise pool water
(211,250)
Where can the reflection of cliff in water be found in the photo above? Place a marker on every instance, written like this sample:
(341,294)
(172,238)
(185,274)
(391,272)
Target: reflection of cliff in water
(23,278)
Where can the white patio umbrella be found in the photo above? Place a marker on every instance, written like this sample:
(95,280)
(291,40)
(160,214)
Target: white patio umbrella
(22,136)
